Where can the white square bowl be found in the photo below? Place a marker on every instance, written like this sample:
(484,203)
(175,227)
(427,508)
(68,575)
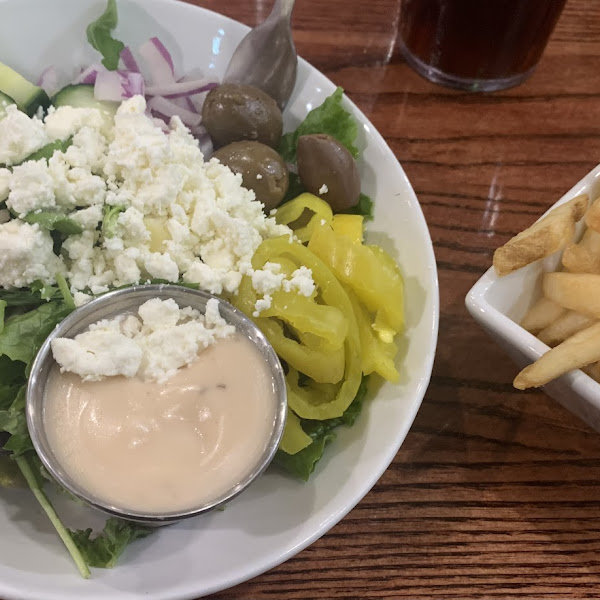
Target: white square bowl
(499,303)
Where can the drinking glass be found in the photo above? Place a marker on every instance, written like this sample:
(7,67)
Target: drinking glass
(476,45)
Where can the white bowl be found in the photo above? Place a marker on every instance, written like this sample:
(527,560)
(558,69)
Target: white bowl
(278,516)
(499,303)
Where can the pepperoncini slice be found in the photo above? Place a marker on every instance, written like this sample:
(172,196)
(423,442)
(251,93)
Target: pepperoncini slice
(321,365)
(377,355)
(368,270)
(318,365)
(349,225)
(305,316)
(294,438)
(310,398)
(294,214)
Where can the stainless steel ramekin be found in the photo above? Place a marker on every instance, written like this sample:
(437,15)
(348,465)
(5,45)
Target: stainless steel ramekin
(128,300)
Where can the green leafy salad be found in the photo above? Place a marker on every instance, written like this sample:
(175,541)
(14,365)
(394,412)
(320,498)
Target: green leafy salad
(79,218)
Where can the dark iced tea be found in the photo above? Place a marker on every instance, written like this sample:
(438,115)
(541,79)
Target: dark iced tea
(476,44)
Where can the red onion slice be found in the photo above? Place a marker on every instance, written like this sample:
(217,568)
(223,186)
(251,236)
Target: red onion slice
(88,76)
(159,61)
(48,81)
(129,60)
(182,89)
(118,85)
(184,102)
(167,108)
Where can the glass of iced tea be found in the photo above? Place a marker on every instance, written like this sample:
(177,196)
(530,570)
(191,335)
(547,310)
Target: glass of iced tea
(477,45)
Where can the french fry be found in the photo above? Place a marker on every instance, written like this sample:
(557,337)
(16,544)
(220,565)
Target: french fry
(591,241)
(593,371)
(554,232)
(576,291)
(541,315)
(579,350)
(592,216)
(585,256)
(564,327)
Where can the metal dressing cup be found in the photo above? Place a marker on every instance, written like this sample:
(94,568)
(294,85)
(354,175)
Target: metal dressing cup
(127,301)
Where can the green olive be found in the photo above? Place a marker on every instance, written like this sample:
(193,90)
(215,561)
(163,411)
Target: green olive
(233,112)
(328,170)
(261,168)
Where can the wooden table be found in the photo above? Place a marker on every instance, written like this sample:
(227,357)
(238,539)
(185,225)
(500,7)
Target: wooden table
(495,492)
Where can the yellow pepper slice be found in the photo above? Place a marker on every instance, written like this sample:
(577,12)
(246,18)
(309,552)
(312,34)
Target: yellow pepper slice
(332,294)
(306,399)
(290,213)
(349,225)
(322,365)
(294,438)
(326,323)
(368,270)
(377,356)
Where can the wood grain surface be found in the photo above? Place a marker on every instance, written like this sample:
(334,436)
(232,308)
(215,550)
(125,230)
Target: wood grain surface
(496,492)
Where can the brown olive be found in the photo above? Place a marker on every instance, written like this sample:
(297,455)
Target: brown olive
(328,170)
(233,112)
(261,168)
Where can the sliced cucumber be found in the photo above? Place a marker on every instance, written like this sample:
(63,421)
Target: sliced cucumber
(28,97)
(4,102)
(82,96)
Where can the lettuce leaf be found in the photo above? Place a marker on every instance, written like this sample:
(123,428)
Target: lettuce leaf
(109,219)
(330,118)
(363,208)
(48,150)
(11,373)
(23,334)
(14,421)
(8,393)
(53,221)
(104,549)
(10,475)
(303,463)
(99,35)
(31,473)
(37,294)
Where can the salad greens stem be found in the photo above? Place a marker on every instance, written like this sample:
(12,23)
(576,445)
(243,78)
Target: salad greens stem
(62,531)
(63,286)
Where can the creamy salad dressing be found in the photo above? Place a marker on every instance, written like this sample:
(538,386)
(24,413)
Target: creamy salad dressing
(151,447)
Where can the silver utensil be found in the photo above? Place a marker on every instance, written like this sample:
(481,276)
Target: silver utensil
(266,58)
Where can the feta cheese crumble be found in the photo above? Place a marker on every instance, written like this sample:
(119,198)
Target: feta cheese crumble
(269,280)
(20,136)
(323,189)
(26,254)
(149,205)
(152,344)
(31,188)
